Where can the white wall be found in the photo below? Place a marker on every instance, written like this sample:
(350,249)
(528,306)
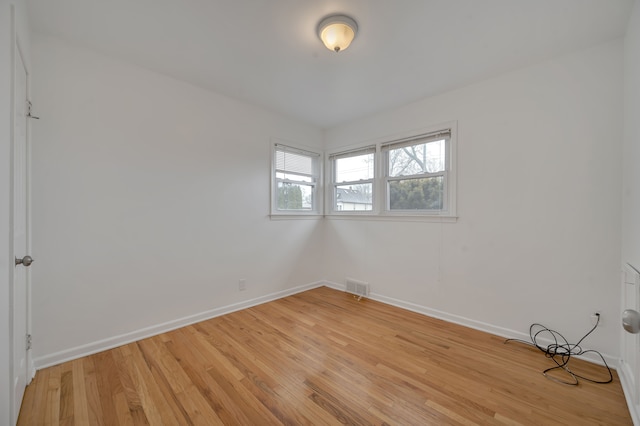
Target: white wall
(631,163)
(151,201)
(8,31)
(538,234)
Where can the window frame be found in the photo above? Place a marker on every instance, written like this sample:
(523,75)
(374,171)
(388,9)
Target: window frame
(333,184)
(315,180)
(381,192)
(444,134)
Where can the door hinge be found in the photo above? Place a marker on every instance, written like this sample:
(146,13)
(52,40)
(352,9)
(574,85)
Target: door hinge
(29,105)
(28,342)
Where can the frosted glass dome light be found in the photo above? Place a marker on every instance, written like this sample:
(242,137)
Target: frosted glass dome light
(337,32)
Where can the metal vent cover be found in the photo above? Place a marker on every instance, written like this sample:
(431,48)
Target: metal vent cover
(358,288)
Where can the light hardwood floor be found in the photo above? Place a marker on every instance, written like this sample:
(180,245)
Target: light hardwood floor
(319,357)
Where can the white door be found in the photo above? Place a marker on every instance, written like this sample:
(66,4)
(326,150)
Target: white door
(629,369)
(19,283)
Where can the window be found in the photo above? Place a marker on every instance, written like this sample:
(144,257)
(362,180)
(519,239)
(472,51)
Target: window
(295,178)
(411,176)
(417,174)
(352,180)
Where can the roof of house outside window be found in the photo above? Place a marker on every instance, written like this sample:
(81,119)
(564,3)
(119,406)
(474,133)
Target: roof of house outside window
(353,196)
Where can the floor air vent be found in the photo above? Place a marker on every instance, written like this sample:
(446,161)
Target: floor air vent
(357,288)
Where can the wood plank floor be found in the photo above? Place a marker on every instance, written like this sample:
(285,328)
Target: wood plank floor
(319,357)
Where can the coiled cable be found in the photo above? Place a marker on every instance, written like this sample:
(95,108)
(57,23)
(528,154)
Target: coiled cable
(561,351)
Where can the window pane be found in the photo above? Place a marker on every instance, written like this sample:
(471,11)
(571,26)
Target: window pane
(292,196)
(358,167)
(417,159)
(416,194)
(295,163)
(354,197)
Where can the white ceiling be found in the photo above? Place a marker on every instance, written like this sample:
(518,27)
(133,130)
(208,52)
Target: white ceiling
(266,52)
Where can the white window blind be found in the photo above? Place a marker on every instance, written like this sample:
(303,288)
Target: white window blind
(413,140)
(294,162)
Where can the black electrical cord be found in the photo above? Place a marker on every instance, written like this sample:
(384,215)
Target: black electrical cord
(561,351)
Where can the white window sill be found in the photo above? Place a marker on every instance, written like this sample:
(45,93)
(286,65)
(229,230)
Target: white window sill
(394,217)
(293,216)
(369,217)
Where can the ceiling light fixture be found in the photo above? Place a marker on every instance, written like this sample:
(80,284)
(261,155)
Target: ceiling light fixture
(337,32)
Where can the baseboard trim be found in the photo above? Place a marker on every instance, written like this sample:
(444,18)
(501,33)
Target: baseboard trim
(115,341)
(612,361)
(624,373)
(31,371)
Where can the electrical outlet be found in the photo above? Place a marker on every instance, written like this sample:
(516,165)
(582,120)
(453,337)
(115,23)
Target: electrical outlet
(242,284)
(594,318)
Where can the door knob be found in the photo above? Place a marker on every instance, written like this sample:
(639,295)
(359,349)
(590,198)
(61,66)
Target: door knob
(631,321)
(26,261)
